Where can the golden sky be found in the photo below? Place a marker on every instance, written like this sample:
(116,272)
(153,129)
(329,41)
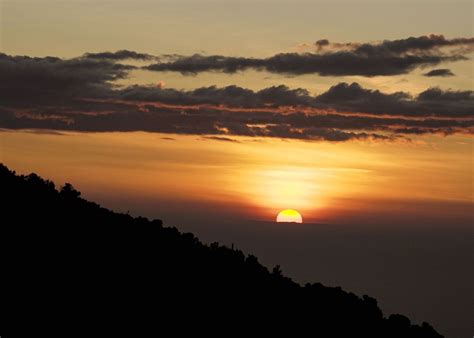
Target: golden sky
(256,178)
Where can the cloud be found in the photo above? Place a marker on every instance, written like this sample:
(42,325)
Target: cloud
(431,102)
(389,57)
(439,96)
(29,81)
(439,72)
(413,44)
(320,44)
(80,95)
(343,97)
(219,138)
(331,64)
(38,131)
(120,55)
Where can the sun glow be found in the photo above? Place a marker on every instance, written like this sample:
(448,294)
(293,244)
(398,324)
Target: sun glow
(280,186)
(289,215)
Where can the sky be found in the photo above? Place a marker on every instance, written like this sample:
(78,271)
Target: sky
(215,116)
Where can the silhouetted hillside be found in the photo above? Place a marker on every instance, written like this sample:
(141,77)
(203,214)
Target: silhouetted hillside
(70,261)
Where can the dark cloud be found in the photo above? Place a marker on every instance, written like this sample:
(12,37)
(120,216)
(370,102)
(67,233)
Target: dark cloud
(320,44)
(233,96)
(330,64)
(343,97)
(79,94)
(120,55)
(29,81)
(413,44)
(368,59)
(221,125)
(439,72)
(431,102)
(439,96)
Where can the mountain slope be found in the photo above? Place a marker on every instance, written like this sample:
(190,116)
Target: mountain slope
(74,261)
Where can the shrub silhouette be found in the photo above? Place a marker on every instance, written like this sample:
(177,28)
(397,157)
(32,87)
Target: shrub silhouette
(68,260)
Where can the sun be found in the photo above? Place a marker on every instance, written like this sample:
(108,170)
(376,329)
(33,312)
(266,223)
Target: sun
(289,216)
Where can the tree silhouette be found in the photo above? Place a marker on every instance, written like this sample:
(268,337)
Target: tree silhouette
(68,191)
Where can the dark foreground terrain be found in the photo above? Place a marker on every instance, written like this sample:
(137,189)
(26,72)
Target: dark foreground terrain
(71,262)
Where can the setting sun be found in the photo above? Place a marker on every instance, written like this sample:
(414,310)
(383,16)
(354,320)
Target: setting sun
(289,216)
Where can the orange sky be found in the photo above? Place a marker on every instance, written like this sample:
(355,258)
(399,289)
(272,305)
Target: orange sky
(256,178)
